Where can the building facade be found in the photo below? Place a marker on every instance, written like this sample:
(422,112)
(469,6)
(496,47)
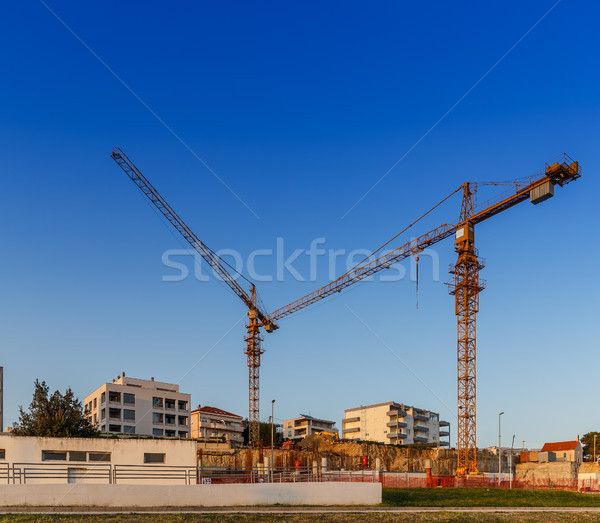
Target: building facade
(34,460)
(136,406)
(299,428)
(210,422)
(396,423)
(564,450)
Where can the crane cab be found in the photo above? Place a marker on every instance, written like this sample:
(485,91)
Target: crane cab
(465,233)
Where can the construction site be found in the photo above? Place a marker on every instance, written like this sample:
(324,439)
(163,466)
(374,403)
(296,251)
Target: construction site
(266,256)
(465,285)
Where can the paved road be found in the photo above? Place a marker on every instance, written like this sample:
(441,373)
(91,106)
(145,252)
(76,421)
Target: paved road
(288,510)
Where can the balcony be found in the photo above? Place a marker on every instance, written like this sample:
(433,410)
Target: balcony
(421,428)
(350,420)
(348,431)
(444,423)
(444,433)
(396,436)
(420,439)
(395,424)
(421,417)
(395,412)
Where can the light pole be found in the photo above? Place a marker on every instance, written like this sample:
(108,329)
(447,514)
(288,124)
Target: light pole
(594,448)
(499,447)
(272,425)
(510,472)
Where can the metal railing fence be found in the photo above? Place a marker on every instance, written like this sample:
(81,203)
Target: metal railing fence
(169,473)
(21,472)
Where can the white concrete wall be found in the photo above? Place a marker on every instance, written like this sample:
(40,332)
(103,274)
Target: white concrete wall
(25,449)
(191,495)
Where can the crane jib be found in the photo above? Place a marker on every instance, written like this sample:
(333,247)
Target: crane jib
(160,203)
(383,262)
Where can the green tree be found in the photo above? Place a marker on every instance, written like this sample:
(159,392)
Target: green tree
(265,434)
(587,442)
(56,415)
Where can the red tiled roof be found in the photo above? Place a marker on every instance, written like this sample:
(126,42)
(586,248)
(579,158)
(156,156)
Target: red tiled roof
(560,445)
(214,410)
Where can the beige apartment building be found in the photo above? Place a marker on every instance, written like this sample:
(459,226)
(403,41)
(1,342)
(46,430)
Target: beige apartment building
(397,423)
(210,422)
(298,428)
(136,406)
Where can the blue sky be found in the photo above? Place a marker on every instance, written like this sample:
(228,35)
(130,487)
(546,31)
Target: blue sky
(300,110)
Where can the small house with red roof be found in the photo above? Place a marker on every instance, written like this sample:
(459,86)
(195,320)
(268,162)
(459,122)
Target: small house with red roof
(212,423)
(565,450)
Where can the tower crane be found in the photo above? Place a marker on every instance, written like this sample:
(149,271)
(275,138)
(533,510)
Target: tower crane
(257,318)
(465,285)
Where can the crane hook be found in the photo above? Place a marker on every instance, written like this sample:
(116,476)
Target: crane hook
(417,280)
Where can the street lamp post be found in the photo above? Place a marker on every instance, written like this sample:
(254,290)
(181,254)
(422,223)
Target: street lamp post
(594,448)
(499,447)
(510,472)
(272,425)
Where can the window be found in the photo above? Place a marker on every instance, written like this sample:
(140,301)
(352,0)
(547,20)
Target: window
(114,428)
(103,414)
(114,397)
(103,428)
(95,418)
(183,434)
(2,454)
(169,419)
(127,429)
(170,433)
(153,457)
(183,405)
(157,403)
(183,420)
(157,432)
(114,414)
(129,415)
(157,417)
(103,398)
(170,404)
(99,456)
(77,456)
(95,402)
(129,399)
(51,455)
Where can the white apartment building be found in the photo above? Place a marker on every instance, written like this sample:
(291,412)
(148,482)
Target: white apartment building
(397,423)
(210,422)
(136,406)
(299,428)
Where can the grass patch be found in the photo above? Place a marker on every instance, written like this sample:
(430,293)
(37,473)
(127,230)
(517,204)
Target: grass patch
(330,518)
(483,497)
